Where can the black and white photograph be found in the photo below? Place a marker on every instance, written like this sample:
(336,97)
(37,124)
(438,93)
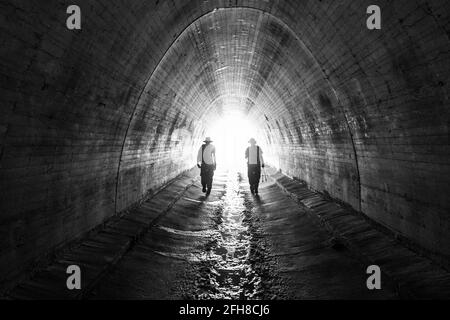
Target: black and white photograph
(241,152)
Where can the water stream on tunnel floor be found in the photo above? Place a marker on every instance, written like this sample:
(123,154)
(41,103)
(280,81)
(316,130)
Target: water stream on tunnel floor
(227,271)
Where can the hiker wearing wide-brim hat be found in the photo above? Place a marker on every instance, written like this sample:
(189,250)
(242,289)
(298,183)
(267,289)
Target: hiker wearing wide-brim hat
(206,161)
(255,161)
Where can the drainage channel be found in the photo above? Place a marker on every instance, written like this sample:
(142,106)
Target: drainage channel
(226,269)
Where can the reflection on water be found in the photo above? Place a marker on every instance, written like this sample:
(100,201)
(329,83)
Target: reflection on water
(226,271)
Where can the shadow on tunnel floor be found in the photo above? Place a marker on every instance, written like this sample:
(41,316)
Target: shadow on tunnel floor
(288,242)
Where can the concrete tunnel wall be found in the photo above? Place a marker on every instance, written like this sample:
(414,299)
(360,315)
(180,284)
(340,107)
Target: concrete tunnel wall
(93,120)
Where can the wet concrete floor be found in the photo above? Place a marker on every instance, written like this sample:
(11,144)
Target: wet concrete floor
(236,245)
(286,243)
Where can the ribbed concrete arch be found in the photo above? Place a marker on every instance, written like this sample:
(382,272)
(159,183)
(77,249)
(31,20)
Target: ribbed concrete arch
(236,52)
(93,120)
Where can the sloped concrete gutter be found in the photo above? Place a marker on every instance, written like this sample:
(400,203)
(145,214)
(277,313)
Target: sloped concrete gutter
(416,276)
(103,248)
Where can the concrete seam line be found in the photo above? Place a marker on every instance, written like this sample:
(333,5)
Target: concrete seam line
(352,140)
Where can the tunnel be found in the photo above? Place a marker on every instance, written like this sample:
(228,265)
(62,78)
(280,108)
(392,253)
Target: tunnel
(99,121)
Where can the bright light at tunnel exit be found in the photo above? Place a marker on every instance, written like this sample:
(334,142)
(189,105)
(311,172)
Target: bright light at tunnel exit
(230,135)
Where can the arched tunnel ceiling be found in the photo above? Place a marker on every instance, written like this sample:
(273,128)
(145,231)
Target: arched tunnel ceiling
(94,120)
(247,60)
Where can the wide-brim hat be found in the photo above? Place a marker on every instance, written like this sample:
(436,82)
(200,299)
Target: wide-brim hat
(252,140)
(207,139)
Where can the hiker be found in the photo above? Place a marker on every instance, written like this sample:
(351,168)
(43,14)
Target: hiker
(206,161)
(255,161)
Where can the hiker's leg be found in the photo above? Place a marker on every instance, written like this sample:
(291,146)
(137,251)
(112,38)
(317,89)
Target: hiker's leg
(203,178)
(257,178)
(210,180)
(251,177)
(203,183)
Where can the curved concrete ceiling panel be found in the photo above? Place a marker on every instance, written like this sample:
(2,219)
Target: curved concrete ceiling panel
(94,120)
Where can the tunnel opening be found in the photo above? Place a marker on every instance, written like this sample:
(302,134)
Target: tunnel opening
(333,106)
(249,61)
(231,134)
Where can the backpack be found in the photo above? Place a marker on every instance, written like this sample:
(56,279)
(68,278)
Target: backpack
(203,162)
(257,155)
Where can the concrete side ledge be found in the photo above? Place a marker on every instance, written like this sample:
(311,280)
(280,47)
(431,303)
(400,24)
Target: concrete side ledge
(102,249)
(415,275)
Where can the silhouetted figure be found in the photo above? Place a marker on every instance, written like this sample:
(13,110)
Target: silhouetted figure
(206,161)
(255,161)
